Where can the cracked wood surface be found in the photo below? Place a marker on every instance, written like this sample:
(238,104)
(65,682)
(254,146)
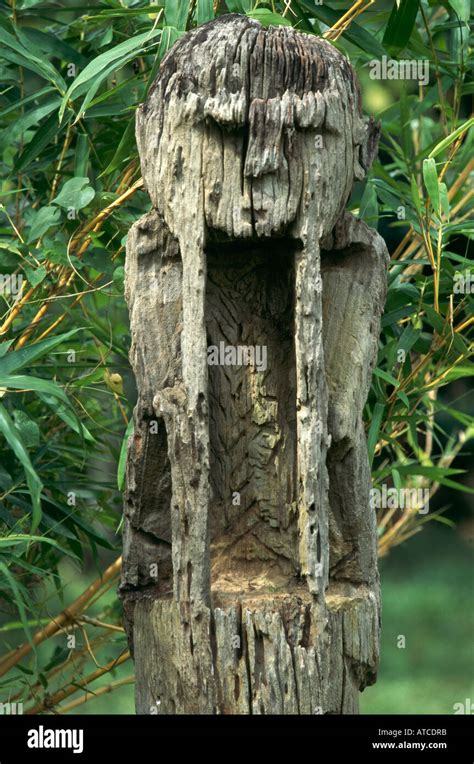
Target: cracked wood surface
(250,580)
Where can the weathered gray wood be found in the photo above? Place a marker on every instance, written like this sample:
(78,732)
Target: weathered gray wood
(250,579)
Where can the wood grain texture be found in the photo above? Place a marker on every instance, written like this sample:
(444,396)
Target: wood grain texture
(247,485)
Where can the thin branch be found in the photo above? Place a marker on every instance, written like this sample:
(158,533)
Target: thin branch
(62,619)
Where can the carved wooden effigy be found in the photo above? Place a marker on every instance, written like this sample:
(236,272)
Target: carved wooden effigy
(250,580)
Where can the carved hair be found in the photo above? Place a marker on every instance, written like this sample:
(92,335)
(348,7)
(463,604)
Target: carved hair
(255,99)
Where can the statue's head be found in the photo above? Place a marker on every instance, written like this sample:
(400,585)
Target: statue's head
(251,129)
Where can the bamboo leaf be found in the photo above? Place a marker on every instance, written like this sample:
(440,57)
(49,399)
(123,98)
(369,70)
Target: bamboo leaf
(268,18)
(23,538)
(176,13)
(442,145)
(374,430)
(14,440)
(75,194)
(100,67)
(18,359)
(123,456)
(42,138)
(20,603)
(400,25)
(430,176)
(354,34)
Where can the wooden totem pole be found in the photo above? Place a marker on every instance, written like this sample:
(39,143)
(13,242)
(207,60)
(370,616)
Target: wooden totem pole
(250,581)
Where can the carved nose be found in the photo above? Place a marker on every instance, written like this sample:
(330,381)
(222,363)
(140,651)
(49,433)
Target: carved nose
(265,132)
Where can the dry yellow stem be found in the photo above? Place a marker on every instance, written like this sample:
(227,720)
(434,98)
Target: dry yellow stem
(57,697)
(89,695)
(62,619)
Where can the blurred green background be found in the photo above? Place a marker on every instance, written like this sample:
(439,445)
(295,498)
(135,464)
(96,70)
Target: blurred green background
(427,596)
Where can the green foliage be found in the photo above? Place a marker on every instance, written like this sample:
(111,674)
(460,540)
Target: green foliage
(72,80)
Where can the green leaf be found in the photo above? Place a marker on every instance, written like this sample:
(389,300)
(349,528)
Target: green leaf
(19,601)
(35,275)
(434,319)
(5,346)
(443,520)
(51,394)
(44,219)
(442,145)
(404,398)
(36,114)
(16,53)
(29,430)
(457,372)
(43,136)
(118,277)
(35,96)
(123,456)
(268,18)
(169,36)
(101,66)
(24,538)
(459,416)
(386,377)
(397,481)
(415,195)
(176,14)
(51,44)
(430,176)
(127,143)
(14,440)
(65,411)
(456,486)
(461,9)
(374,430)
(394,316)
(204,11)
(408,338)
(444,200)
(400,25)
(72,517)
(369,208)
(18,359)
(239,6)
(13,625)
(81,155)
(354,34)
(427,470)
(75,194)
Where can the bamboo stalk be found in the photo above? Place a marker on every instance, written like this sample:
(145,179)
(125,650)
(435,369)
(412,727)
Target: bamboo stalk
(52,700)
(93,226)
(63,618)
(89,695)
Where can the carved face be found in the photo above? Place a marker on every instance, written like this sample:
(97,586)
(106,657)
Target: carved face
(275,129)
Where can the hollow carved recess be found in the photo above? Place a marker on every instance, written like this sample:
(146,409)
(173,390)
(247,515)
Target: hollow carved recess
(249,487)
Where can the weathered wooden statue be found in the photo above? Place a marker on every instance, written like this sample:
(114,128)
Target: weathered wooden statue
(250,580)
